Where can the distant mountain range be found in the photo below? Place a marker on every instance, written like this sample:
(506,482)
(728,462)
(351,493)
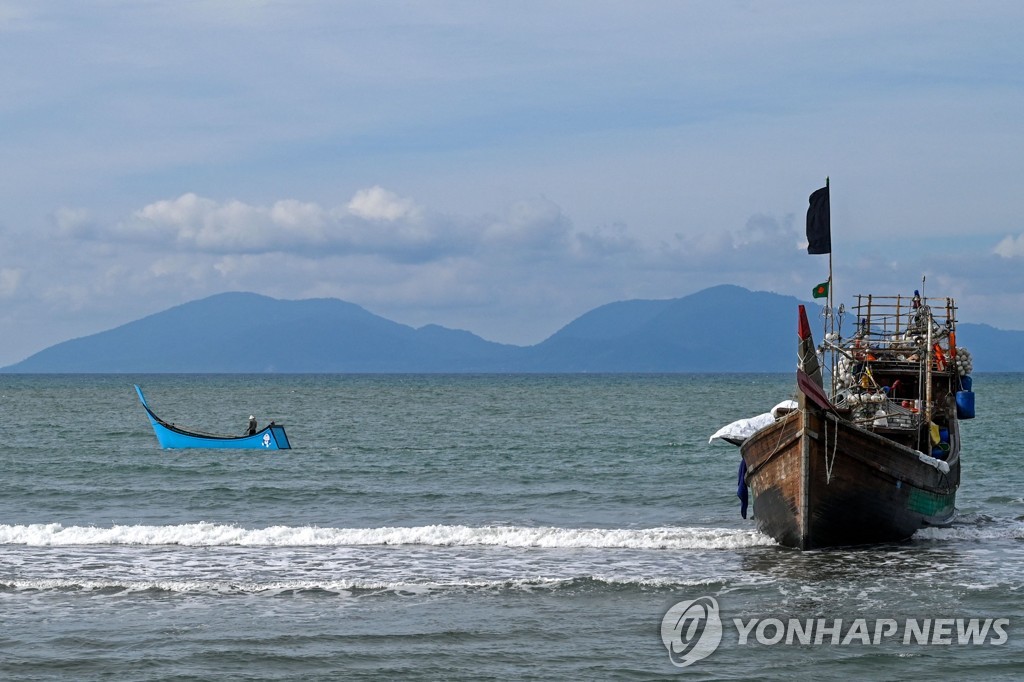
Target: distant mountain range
(721,329)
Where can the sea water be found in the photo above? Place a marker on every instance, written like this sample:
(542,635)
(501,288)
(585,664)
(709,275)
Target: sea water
(468,527)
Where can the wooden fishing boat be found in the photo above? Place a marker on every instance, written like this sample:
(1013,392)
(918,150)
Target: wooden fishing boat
(879,457)
(169,435)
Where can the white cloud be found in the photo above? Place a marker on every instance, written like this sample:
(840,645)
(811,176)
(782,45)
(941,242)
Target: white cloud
(192,222)
(528,228)
(198,224)
(72,222)
(377,203)
(299,216)
(10,280)
(1011,247)
(375,222)
(606,242)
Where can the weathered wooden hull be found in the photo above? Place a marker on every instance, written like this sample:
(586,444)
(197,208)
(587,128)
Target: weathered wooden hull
(820,481)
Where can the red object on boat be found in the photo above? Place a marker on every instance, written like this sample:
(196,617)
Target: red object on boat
(804,328)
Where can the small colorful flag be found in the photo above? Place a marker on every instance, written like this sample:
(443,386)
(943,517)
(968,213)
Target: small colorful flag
(821,291)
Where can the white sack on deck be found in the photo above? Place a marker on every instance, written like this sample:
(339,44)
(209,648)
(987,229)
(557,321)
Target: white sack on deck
(784,407)
(741,429)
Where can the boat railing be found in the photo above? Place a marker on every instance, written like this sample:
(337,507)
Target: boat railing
(904,324)
(901,334)
(899,361)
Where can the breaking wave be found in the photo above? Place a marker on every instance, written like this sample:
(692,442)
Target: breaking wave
(115,586)
(982,529)
(211,534)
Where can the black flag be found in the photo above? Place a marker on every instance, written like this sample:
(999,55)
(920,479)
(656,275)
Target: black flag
(819,224)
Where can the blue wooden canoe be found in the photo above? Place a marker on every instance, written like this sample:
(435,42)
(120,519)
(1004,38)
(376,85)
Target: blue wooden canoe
(170,435)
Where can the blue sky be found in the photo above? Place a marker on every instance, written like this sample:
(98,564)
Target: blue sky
(500,167)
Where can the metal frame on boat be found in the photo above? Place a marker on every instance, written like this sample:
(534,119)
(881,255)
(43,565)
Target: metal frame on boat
(172,436)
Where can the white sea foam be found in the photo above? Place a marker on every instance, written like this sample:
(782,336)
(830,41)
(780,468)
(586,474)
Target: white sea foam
(212,534)
(988,531)
(342,587)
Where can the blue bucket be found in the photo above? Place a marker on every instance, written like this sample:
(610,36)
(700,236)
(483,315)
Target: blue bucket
(965,404)
(965,383)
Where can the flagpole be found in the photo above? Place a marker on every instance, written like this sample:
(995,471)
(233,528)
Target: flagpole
(819,241)
(833,369)
(831,285)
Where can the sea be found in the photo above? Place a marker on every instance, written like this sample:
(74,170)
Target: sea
(470,527)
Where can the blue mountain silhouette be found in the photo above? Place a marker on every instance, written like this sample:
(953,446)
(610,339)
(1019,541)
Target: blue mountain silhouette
(720,329)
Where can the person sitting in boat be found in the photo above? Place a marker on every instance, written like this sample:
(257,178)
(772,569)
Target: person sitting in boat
(252,426)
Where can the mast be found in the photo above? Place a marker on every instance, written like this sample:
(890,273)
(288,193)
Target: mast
(830,285)
(833,359)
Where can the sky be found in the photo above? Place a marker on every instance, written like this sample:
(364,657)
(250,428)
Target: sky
(501,167)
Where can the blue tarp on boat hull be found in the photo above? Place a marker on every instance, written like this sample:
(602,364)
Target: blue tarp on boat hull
(169,435)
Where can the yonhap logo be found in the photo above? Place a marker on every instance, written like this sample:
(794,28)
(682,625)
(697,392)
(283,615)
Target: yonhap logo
(691,630)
